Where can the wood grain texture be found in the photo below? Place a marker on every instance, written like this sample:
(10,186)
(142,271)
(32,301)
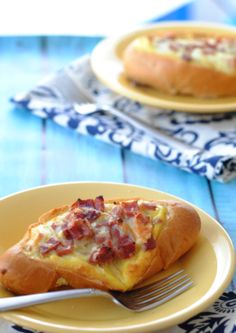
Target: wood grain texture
(69,156)
(20,134)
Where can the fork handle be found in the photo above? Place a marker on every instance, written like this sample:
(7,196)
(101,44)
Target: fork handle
(16,302)
(161,136)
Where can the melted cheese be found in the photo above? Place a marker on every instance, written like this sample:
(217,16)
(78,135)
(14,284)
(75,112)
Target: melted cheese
(207,52)
(84,247)
(115,272)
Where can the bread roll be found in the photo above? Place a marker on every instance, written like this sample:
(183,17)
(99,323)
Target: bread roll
(183,63)
(110,245)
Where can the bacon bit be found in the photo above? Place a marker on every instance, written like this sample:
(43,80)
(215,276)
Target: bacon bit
(74,205)
(148,205)
(174,47)
(208,50)
(143,226)
(77,230)
(102,239)
(150,244)
(123,245)
(189,48)
(116,214)
(63,249)
(112,222)
(103,236)
(115,231)
(90,214)
(130,208)
(126,247)
(54,226)
(79,214)
(88,203)
(219,39)
(186,57)
(142,219)
(99,203)
(102,255)
(60,226)
(170,35)
(50,245)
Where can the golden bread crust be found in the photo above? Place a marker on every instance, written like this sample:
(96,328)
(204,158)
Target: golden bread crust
(177,237)
(19,272)
(174,75)
(25,275)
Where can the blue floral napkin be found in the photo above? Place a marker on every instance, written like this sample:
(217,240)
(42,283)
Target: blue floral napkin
(214,134)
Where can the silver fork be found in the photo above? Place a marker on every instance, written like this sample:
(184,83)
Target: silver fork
(71,91)
(138,300)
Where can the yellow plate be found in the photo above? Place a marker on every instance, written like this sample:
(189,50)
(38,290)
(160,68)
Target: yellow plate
(206,263)
(107,65)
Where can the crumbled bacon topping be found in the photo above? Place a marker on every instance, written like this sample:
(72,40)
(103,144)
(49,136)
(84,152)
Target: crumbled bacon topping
(123,245)
(148,205)
(87,203)
(111,234)
(54,244)
(89,214)
(92,215)
(150,244)
(186,45)
(102,255)
(50,245)
(126,247)
(78,229)
(130,208)
(117,213)
(143,226)
(63,249)
(97,203)
(102,235)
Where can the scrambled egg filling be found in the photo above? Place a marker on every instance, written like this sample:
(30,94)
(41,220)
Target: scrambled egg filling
(116,271)
(217,53)
(41,233)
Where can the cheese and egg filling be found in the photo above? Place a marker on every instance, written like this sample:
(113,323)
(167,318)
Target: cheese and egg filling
(213,52)
(112,227)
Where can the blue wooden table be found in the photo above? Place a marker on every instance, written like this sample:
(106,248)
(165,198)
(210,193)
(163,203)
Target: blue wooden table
(35,152)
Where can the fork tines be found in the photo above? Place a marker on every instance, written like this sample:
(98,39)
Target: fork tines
(155,294)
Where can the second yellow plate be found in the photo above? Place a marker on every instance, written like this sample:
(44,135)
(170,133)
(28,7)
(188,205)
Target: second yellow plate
(107,65)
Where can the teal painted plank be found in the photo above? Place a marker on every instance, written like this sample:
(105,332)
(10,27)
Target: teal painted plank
(73,157)
(70,47)
(60,51)
(224,196)
(70,156)
(166,178)
(20,152)
(20,132)
(20,64)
